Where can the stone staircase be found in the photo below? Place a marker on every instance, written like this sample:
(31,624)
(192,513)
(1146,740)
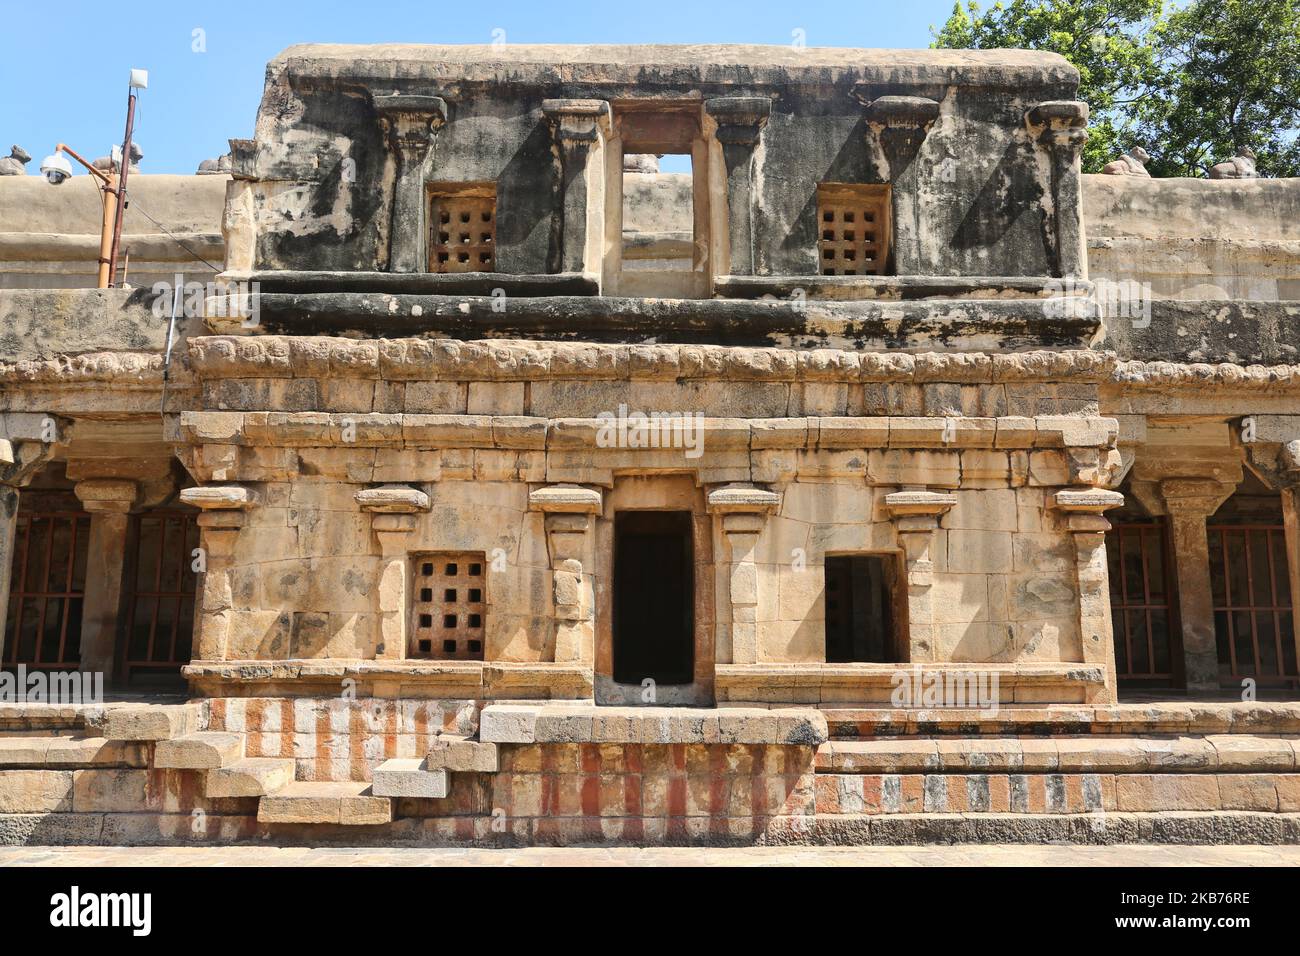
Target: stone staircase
(1169,773)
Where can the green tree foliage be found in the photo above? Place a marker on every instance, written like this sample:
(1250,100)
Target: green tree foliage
(1229,77)
(1106,40)
(1191,86)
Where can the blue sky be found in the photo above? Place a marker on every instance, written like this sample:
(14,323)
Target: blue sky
(64,75)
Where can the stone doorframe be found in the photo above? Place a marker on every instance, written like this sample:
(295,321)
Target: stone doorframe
(662,492)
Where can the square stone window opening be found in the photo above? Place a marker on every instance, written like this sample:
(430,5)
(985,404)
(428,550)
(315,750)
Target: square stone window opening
(853,229)
(865,609)
(462,227)
(448,610)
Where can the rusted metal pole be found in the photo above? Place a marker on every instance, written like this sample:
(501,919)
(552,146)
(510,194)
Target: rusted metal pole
(121,187)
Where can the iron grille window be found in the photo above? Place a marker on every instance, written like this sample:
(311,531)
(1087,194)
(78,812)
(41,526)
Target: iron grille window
(47,589)
(1253,622)
(449,606)
(853,227)
(1142,607)
(160,610)
(463,229)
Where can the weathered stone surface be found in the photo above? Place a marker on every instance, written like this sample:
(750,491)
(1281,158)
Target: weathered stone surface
(408,777)
(199,751)
(249,777)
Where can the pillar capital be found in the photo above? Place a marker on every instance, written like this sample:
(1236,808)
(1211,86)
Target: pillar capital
(740,119)
(107,495)
(1194,497)
(577,123)
(742,499)
(392,499)
(565,499)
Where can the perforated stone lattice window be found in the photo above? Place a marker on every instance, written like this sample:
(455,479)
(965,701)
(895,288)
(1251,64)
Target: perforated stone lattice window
(463,230)
(853,227)
(448,607)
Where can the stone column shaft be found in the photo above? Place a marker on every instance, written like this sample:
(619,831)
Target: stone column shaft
(108,501)
(578,127)
(412,123)
(8,540)
(916,518)
(740,122)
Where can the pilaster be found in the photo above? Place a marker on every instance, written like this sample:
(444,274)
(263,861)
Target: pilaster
(916,515)
(568,510)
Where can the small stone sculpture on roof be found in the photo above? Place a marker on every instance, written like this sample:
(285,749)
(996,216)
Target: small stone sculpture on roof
(1132,163)
(1241,166)
(14,164)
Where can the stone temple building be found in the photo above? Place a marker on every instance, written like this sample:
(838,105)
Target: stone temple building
(879,479)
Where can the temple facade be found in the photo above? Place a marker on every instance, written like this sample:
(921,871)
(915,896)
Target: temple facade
(654,444)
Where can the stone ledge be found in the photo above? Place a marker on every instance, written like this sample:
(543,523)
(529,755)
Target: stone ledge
(587,723)
(349,804)
(390,679)
(864,683)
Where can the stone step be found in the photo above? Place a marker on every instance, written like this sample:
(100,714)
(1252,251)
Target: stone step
(1035,793)
(249,777)
(346,803)
(460,754)
(70,752)
(1166,717)
(144,721)
(204,750)
(1216,753)
(408,778)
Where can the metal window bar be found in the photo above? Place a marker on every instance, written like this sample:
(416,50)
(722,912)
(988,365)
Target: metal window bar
(1236,544)
(33,588)
(160,611)
(1142,602)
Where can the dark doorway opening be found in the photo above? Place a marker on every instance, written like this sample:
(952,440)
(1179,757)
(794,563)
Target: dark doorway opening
(654,597)
(861,616)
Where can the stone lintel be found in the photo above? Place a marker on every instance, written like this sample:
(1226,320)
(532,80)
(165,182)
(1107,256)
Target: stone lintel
(220,497)
(919,503)
(564,499)
(392,499)
(739,499)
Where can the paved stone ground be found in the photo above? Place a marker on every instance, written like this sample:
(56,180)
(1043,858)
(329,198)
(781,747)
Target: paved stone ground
(1072,856)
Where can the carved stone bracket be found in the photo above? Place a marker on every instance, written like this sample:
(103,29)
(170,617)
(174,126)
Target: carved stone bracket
(568,510)
(578,126)
(411,122)
(740,122)
(916,515)
(743,511)
(393,510)
(895,128)
(1060,127)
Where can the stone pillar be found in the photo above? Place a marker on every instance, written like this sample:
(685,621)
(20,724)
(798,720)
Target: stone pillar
(578,127)
(1060,127)
(743,510)
(8,537)
(21,457)
(1291,524)
(1084,510)
(223,508)
(393,510)
(740,122)
(568,510)
(916,517)
(108,500)
(411,122)
(1189,502)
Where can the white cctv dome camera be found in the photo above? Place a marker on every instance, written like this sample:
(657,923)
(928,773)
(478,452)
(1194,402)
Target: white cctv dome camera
(56,168)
